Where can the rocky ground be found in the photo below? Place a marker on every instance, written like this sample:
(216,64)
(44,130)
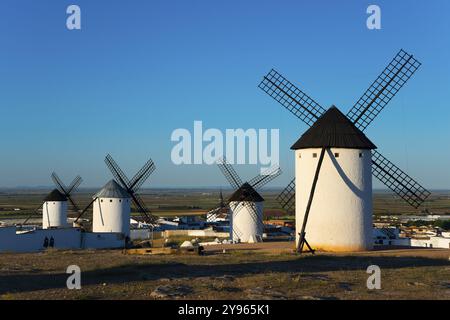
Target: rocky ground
(267,271)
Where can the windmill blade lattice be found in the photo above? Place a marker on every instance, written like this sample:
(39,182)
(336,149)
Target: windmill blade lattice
(75,184)
(264,178)
(133,185)
(398,181)
(229,173)
(383,89)
(67,191)
(366,109)
(291,97)
(252,211)
(259,220)
(287,197)
(142,209)
(142,175)
(212,215)
(237,232)
(118,174)
(251,196)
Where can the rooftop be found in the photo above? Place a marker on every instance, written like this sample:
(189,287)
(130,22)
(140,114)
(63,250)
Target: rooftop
(55,195)
(333,129)
(246,193)
(112,190)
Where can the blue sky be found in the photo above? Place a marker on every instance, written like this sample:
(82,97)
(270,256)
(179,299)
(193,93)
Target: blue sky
(140,69)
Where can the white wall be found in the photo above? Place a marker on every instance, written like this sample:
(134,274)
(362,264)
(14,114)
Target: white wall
(64,238)
(101,240)
(69,238)
(111,215)
(420,242)
(340,218)
(54,214)
(440,242)
(244,227)
(433,242)
(195,233)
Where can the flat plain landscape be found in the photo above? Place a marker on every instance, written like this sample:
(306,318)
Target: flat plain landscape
(261,271)
(170,202)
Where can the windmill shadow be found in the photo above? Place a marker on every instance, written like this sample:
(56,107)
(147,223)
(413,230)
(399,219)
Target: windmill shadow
(359,193)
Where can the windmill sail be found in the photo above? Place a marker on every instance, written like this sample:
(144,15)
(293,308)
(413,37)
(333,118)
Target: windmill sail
(287,197)
(132,186)
(75,184)
(142,175)
(383,89)
(264,178)
(366,109)
(68,191)
(291,97)
(229,173)
(398,181)
(118,174)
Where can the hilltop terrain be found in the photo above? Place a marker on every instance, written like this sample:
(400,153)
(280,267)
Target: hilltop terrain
(268,271)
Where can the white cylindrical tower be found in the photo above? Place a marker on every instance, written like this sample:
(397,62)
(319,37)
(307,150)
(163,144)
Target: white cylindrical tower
(54,210)
(246,215)
(340,217)
(111,209)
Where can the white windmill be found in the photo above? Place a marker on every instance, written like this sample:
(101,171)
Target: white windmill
(112,204)
(54,210)
(246,215)
(341,214)
(340,218)
(55,205)
(111,209)
(246,204)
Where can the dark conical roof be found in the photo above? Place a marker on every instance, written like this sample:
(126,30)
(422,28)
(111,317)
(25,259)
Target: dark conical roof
(112,190)
(333,129)
(246,193)
(55,195)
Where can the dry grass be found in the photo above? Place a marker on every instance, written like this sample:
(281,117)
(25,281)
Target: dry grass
(406,274)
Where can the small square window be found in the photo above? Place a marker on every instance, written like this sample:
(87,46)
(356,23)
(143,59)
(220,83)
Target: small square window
(299,155)
(101,200)
(336,155)
(110,200)
(360,155)
(314,155)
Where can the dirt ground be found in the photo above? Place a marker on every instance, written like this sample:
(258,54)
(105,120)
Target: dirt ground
(259,271)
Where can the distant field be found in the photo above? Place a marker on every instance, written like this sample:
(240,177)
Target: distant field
(184,202)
